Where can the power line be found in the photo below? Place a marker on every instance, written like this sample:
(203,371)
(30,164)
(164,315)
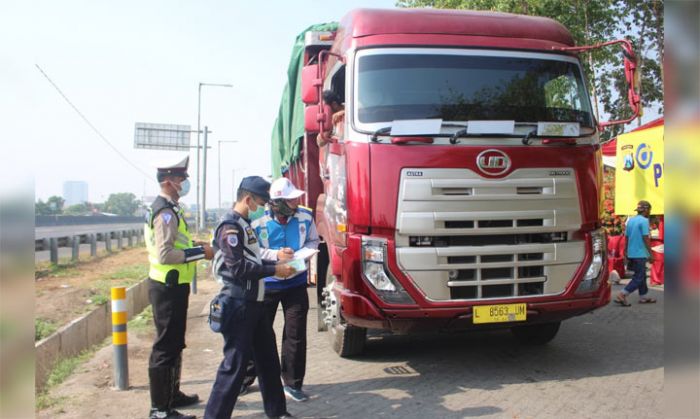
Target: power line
(87,121)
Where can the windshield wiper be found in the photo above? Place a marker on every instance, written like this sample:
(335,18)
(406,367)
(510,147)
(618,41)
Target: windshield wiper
(380,131)
(529,136)
(463,133)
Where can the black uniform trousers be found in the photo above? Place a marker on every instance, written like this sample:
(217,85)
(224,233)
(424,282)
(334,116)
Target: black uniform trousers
(169,304)
(295,307)
(247,335)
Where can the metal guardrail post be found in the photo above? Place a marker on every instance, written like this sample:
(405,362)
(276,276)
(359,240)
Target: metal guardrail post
(130,237)
(53,242)
(119,338)
(93,245)
(75,244)
(108,241)
(120,243)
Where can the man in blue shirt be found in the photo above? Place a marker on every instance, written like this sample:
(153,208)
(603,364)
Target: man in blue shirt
(638,252)
(285,228)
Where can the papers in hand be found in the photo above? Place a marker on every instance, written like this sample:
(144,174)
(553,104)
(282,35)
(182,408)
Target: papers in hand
(304,253)
(300,258)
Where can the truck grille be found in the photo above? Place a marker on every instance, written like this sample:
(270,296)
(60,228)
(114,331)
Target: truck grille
(462,237)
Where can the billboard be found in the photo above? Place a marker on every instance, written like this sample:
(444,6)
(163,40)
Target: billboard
(640,170)
(162,136)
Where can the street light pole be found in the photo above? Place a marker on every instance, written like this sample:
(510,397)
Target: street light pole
(219,157)
(203,208)
(199,131)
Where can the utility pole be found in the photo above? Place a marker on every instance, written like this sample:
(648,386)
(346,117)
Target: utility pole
(199,130)
(203,207)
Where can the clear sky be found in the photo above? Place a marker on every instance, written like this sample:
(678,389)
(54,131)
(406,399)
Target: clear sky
(122,62)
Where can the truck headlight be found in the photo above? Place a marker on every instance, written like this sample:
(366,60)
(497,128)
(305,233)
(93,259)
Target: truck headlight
(375,270)
(598,250)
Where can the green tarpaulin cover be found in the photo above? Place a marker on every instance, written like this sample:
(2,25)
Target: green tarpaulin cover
(288,130)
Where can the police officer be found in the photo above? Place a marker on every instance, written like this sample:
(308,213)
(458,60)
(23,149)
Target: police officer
(246,329)
(285,228)
(172,256)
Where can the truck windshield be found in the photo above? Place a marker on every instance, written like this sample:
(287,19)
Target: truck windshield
(470,87)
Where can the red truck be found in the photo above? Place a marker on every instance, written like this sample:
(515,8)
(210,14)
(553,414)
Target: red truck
(457,182)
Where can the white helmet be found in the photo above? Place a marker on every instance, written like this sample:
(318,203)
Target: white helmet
(283,188)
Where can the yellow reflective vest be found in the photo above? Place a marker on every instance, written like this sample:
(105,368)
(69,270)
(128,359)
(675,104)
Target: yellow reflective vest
(159,272)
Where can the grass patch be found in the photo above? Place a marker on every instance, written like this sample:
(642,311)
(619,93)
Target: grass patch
(43,328)
(124,277)
(142,322)
(60,372)
(62,270)
(138,271)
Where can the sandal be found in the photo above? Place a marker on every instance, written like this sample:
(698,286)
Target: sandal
(622,301)
(647,300)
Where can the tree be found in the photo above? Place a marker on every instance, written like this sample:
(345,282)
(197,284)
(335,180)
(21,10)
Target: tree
(78,209)
(124,203)
(591,22)
(52,206)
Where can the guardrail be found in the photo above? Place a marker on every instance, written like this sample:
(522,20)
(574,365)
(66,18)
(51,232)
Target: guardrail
(131,236)
(67,220)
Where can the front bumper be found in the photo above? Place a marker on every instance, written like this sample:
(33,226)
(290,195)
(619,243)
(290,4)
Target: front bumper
(359,311)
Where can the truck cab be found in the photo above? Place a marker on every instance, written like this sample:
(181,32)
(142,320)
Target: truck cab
(460,185)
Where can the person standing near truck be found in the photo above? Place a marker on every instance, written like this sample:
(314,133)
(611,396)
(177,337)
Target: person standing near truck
(285,228)
(246,330)
(638,251)
(172,256)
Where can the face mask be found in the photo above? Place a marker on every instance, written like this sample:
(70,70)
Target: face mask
(259,212)
(281,207)
(184,188)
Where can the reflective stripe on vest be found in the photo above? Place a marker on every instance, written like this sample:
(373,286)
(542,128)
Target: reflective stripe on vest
(157,271)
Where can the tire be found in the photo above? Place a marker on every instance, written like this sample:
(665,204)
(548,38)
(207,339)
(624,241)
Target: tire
(346,340)
(536,334)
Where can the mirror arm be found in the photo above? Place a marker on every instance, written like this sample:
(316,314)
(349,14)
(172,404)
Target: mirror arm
(630,63)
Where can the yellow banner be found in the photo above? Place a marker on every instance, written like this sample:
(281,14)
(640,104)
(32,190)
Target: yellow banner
(639,170)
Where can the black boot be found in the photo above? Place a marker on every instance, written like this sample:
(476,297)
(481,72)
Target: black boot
(181,399)
(161,380)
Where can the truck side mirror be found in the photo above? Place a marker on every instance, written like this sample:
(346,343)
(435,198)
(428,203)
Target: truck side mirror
(631,75)
(317,117)
(310,83)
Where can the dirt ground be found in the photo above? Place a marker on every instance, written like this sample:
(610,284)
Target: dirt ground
(65,293)
(75,397)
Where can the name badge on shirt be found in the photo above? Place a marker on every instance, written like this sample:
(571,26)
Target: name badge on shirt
(251,235)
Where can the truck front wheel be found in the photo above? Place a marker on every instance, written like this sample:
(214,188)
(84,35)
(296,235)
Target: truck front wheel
(536,334)
(346,340)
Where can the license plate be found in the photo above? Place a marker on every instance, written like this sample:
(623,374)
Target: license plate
(500,313)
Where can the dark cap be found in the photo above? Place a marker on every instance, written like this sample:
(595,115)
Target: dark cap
(256,185)
(173,167)
(643,206)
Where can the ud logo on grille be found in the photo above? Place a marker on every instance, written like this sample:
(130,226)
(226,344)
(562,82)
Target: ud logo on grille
(493,162)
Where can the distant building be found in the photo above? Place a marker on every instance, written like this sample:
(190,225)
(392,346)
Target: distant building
(75,192)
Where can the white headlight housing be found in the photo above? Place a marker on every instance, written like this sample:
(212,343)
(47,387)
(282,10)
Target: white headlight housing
(375,271)
(591,280)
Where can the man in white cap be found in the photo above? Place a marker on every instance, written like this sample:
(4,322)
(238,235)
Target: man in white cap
(172,255)
(285,228)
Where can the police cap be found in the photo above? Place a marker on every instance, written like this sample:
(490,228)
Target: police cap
(176,167)
(257,186)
